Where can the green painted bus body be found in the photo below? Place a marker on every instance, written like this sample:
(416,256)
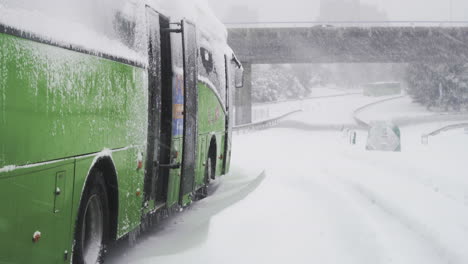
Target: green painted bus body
(59,110)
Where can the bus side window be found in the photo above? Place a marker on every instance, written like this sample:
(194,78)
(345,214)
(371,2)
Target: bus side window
(239,77)
(207,60)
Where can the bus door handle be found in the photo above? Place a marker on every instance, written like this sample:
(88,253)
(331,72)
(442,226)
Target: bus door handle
(169,166)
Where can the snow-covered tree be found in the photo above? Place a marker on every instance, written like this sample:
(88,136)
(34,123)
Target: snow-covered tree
(277,82)
(439,85)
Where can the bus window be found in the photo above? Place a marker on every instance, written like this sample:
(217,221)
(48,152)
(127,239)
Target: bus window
(239,76)
(212,69)
(207,60)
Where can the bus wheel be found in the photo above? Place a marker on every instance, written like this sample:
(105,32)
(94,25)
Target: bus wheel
(209,170)
(90,235)
(203,191)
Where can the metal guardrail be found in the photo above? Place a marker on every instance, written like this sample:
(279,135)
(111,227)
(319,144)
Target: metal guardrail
(425,137)
(413,121)
(447,128)
(307,98)
(361,122)
(263,124)
(440,117)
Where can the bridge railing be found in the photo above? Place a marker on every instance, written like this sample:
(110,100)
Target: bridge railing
(283,24)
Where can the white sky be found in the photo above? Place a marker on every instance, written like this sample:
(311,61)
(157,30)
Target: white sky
(307,10)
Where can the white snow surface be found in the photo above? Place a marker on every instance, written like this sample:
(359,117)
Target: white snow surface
(307,196)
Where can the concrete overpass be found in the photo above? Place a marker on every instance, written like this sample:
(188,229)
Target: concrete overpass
(326,44)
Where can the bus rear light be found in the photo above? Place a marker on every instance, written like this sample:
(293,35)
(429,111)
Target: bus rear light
(139,160)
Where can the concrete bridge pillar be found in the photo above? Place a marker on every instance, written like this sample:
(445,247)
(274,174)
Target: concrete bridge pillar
(243,98)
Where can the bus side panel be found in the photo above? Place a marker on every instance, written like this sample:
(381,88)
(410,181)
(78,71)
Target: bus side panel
(211,114)
(174,177)
(130,188)
(36,201)
(131,183)
(211,121)
(202,156)
(58,103)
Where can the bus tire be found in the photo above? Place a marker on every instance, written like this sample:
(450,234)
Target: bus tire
(203,191)
(209,170)
(212,159)
(91,230)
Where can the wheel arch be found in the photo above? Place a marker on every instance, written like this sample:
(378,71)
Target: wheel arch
(213,150)
(213,147)
(105,164)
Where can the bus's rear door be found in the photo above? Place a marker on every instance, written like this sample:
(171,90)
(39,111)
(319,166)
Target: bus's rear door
(154,103)
(230,114)
(189,156)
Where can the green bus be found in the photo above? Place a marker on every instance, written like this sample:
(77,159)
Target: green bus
(112,112)
(382,89)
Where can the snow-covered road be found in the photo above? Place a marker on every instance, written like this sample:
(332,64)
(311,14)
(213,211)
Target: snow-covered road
(307,196)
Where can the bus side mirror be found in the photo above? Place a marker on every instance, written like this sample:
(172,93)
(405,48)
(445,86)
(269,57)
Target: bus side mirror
(239,78)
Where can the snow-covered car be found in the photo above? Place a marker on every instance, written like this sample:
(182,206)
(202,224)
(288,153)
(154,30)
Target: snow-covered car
(383,136)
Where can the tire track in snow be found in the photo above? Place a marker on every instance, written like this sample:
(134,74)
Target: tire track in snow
(385,220)
(363,233)
(419,229)
(370,199)
(419,178)
(354,233)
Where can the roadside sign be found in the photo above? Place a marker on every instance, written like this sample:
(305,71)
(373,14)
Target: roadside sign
(383,136)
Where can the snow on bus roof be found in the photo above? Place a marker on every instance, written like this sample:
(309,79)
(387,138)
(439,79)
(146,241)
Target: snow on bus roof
(96,26)
(113,27)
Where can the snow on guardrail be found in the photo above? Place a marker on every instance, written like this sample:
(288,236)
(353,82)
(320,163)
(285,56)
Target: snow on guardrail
(263,124)
(425,137)
(356,112)
(307,98)
(408,121)
(411,121)
(262,111)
